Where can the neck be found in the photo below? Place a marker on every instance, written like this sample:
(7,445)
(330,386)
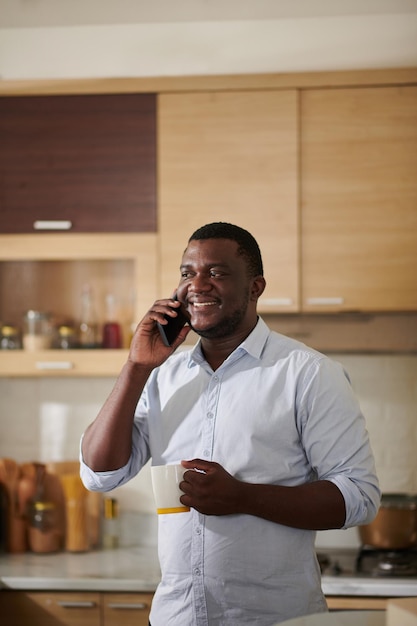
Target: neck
(216,351)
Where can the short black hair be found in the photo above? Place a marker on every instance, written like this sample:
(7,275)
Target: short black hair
(247,244)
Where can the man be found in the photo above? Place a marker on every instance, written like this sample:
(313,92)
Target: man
(273,427)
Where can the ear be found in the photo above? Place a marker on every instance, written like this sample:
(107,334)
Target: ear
(257,288)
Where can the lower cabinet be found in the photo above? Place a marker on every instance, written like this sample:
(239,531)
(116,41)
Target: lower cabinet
(126,609)
(356,603)
(40,608)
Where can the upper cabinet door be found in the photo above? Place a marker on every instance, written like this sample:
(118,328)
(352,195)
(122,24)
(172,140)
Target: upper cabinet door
(231,156)
(79,163)
(359,199)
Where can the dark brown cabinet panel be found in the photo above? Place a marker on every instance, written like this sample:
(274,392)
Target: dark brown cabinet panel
(84,163)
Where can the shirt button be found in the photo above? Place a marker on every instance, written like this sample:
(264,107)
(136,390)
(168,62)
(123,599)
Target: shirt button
(196,571)
(198,530)
(206,452)
(210,416)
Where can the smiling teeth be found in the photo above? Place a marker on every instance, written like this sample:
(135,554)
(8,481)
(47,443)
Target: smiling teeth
(198,304)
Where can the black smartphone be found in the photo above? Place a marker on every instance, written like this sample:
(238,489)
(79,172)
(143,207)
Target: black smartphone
(169,332)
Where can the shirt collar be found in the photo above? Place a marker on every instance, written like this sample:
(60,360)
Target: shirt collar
(253,344)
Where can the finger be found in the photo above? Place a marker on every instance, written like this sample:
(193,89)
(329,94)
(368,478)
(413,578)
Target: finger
(200,465)
(161,309)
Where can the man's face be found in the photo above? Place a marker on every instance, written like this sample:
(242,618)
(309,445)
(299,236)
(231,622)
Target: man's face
(216,288)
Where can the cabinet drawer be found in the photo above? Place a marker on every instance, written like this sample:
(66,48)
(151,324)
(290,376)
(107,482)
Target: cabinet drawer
(356,603)
(126,609)
(50,609)
(82,163)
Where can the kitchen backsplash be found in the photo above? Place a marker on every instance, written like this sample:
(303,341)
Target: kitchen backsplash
(42,420)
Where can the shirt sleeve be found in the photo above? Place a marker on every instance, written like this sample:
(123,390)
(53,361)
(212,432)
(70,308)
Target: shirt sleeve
(106,481)
(336,440)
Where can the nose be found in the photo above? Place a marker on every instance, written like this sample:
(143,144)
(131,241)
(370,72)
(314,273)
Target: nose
(199,283)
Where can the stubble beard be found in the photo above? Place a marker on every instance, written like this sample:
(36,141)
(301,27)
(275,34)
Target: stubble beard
(226,326)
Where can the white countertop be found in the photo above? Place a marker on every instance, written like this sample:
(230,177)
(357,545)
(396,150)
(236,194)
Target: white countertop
(369,586)
(124,569)
(136,569)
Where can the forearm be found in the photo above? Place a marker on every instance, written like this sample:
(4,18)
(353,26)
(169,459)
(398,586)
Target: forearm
(107,442)
(314,506)
(213,491)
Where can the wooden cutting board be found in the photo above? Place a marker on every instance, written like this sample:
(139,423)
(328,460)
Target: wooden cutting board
(16,533)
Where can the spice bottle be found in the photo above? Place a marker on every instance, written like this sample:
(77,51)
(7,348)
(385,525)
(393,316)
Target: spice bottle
(111,530)
(10,338)
(66,339)
(112,331)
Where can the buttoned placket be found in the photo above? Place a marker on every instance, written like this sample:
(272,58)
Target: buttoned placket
(207,442)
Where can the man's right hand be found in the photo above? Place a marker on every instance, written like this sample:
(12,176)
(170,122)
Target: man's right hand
(147,348)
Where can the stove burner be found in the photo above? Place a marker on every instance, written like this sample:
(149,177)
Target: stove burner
(387,562)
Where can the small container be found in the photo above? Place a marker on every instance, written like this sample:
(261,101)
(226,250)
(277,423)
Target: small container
(112,331)
(44,535)
(67,339)
(88,329)
(77,537)
(10,338)
(111,529)
(37,333)
(112,336)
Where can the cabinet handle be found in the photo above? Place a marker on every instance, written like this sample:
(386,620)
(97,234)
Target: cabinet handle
(325,301)
(276,301)
(54,365)
(128,605)
(66,604)
(52,225)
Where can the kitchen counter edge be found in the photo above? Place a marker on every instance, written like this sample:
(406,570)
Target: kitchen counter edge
(131,569)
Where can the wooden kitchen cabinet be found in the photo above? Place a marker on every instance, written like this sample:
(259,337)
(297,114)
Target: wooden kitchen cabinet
(356,603)
(359,199)
(231,156)
(126,609)
(64,608)
(39,608)
(47,272)
(82,163)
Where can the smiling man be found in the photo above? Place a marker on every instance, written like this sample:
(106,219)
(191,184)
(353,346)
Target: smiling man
(273,427)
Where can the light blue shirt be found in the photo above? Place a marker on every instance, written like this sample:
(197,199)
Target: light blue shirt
(275,412)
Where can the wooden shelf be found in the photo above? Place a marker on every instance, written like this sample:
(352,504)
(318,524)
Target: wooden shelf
(67,363)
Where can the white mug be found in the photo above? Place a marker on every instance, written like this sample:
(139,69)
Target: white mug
(165,484)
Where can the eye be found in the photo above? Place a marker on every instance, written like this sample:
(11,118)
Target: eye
(216,273)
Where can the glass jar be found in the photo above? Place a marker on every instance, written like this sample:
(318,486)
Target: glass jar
(37,333)
(67,339)
(10,338)
(44,533)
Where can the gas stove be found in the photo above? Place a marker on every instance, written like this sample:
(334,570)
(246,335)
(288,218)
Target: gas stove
(368,561)
(368,571)
(393,563)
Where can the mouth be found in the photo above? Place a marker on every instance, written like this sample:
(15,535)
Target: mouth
(201,309)
(202,305)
